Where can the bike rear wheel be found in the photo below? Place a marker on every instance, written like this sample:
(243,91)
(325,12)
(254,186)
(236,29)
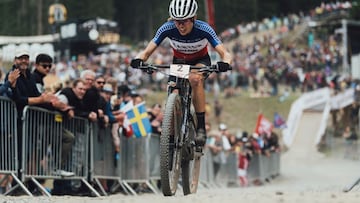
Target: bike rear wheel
(190,163)
(170,150)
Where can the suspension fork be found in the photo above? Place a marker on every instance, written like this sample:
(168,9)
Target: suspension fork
(183,89)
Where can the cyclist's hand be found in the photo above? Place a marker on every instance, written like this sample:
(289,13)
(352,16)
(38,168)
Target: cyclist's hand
(136,63)
(223,66)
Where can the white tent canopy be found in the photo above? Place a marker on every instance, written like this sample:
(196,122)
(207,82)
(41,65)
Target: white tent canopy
(28,39)
(8,51)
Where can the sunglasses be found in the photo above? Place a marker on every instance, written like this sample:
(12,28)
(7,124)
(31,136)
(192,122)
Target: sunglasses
(100,82)
(46,65)
(181,22)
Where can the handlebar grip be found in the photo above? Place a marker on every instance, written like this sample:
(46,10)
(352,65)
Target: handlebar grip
(222,66)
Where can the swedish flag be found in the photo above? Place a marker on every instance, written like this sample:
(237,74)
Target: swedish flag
(139,120)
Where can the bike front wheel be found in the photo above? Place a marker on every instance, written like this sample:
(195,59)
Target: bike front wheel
(170,149)
(191,162)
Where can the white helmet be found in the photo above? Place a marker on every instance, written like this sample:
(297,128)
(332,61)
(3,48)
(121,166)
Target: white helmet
(182,9)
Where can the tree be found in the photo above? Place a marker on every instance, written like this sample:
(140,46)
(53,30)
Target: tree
(139,19)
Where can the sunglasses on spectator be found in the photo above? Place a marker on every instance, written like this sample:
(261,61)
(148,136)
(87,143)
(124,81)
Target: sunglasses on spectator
(182,22)
(45,65)
(100,82)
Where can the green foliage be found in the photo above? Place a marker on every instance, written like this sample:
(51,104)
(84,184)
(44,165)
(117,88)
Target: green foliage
(355,11)
(139,19)
(85,9)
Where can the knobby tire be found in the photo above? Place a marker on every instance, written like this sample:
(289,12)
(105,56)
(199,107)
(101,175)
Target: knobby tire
(191,164)
(170,151)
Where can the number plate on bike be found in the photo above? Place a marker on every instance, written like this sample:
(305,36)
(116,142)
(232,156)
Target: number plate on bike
(180,70)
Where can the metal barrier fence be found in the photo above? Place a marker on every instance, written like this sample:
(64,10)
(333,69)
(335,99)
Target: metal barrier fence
(228,172)
(102,162)
(9,165)
(52,144)
(207,178)
(54,147)
(154,157)
(137,163)
(260,168)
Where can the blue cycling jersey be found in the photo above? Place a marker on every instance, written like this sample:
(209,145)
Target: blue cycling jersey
(190,46)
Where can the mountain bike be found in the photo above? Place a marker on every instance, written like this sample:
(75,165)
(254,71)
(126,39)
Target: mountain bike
(178,152)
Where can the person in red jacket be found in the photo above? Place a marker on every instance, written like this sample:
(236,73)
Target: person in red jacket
(243,161)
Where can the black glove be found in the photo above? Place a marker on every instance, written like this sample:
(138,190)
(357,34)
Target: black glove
(223,67)
(136,63)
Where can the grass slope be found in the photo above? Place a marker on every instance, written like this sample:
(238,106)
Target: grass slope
(239,112)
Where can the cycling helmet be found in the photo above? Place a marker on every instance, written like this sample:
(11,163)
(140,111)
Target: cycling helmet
(182,9)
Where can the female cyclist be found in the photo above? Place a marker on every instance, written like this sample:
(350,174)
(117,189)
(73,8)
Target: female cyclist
(189,39)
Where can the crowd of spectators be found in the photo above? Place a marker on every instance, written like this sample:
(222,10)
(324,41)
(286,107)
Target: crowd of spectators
(263,64)
(258,67)
(223,141)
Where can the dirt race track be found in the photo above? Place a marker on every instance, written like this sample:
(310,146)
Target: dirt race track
(306,177)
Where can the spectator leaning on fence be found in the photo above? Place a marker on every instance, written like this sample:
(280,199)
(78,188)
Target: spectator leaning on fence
(25,92)
(92,95)
(43,64)
(106,92)
(73,96)
(6,89)
(103,119)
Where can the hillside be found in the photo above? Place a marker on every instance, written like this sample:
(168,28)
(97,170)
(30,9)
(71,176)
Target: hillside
(239,112)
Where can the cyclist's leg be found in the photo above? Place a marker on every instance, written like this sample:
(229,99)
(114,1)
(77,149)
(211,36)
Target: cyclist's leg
(197,85)
(197,80)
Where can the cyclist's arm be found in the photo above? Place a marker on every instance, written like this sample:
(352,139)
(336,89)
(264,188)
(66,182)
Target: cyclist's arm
(224,54)
(150,48)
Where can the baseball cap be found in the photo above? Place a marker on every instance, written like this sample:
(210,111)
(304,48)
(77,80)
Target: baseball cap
(133,93)
(222,126)
(108,88)
(21,52)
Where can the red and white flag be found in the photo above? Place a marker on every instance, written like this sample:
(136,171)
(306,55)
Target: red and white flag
(263,126)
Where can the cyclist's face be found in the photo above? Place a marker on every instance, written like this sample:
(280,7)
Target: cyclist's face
(184,26)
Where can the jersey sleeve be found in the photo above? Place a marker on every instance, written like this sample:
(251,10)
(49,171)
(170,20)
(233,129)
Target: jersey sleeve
(210,33)
(163,32)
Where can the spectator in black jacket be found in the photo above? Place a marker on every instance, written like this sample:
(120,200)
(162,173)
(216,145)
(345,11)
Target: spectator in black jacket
(43,64)
(74,97)
(25,92)
(92,95)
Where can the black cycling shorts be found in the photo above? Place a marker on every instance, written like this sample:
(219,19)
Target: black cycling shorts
(203,60)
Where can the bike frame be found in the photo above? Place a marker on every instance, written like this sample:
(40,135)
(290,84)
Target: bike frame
(180,153)
(182,87)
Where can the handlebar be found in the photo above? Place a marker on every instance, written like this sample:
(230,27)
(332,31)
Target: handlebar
(149,68)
